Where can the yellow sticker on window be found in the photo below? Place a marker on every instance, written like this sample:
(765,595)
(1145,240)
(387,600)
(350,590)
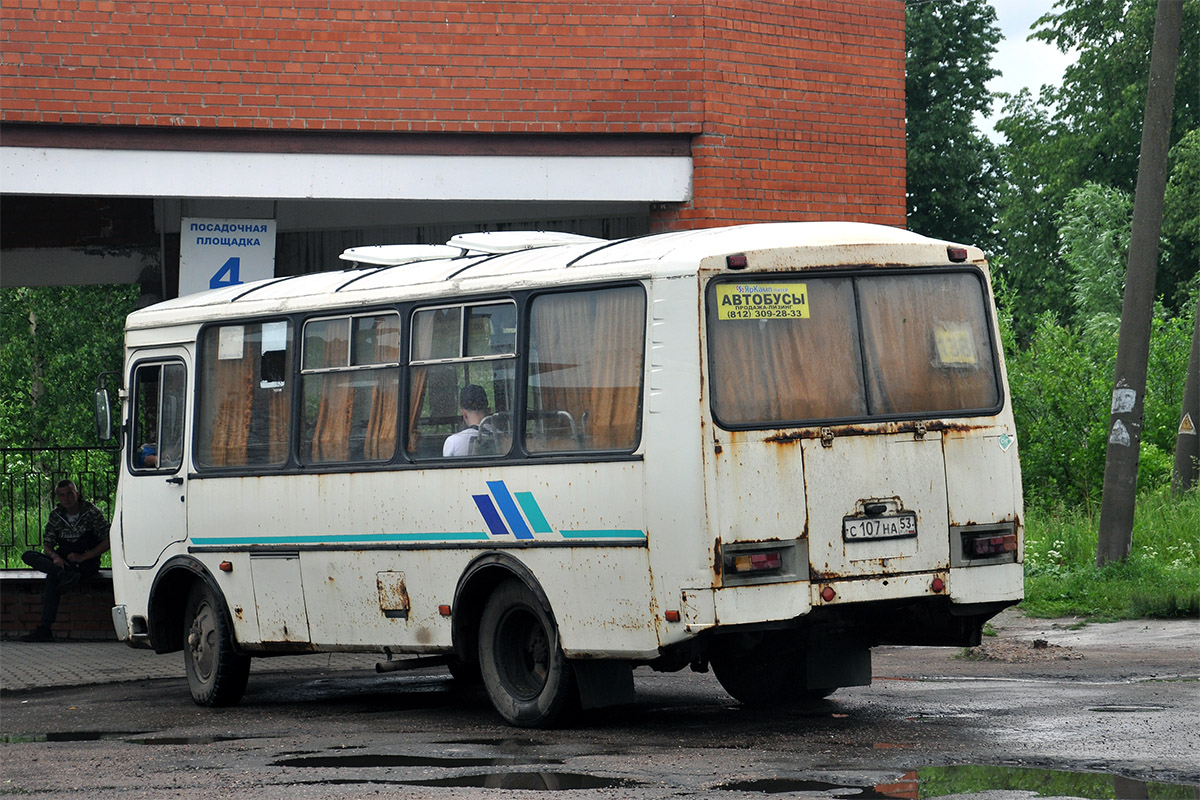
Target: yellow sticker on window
(762,301)
(955,344)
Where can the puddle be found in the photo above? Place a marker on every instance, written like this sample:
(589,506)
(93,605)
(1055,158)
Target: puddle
(359,761)
(535,781)
(180,740)
(498,742)
(132,737)
(785,785)
(930,782)
(1127,709)
(66,736)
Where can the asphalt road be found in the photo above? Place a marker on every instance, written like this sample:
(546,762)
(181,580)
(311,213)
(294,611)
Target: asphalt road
(1101,711)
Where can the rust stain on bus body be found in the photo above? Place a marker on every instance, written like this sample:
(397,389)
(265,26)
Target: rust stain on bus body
(875,429)
(393,594)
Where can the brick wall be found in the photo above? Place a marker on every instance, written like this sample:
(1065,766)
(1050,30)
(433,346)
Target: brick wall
(797,107)
(85,612)
(804,114)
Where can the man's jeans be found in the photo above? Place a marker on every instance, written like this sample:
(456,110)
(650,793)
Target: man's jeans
(55,576)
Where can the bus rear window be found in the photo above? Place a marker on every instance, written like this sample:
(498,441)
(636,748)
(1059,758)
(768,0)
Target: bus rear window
(794,349)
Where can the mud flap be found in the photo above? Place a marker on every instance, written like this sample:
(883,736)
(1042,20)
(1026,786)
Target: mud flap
(603,683)
(833,665)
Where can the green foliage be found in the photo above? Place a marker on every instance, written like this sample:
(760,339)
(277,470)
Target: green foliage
(1161,577)
(971,779)
(53,343)
(952,179)
(1061,384)
(1089,129)
(1094,228)
(1181,223)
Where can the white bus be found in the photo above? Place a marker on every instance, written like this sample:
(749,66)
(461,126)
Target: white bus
(547,459)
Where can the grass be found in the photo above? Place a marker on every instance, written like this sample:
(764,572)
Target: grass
(1161,577)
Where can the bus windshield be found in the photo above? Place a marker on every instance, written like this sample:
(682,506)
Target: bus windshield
(786,350)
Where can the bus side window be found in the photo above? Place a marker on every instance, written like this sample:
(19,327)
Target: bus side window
(585,370)
(351,382)
(244,403)
(462,351)
(158,408)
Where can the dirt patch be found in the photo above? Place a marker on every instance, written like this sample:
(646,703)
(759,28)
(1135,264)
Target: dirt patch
(1020,651)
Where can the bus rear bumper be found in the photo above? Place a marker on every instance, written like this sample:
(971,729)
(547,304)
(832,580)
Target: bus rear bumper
(996,585)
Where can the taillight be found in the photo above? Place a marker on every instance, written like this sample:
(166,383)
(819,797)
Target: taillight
(754,562)
(988,545)
(763,562)
(978,545)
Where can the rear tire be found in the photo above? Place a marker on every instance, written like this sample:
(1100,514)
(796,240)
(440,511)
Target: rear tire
(527,677)
(764,670)
(216,673)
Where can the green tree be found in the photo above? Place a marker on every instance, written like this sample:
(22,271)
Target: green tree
(1086,129)
(1094,229)
(952,180)
(53,343)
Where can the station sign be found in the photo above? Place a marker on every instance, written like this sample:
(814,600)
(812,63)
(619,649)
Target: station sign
(214,253)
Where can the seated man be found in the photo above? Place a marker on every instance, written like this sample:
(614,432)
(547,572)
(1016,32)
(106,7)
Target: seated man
(76,537)
(473,406)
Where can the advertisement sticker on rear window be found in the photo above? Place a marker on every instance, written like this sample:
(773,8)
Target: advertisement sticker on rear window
(762,301)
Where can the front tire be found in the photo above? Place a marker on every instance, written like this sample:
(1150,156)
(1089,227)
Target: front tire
(216,673)
(527,677)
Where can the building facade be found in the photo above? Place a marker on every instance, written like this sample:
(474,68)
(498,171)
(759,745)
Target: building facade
(348,122)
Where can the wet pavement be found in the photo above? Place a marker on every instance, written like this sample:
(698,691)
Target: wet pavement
(26,665)
(1045,708)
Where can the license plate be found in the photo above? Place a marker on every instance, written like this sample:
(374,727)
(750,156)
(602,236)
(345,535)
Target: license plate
(885,526)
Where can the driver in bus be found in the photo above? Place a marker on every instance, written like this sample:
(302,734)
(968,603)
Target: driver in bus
(473,406)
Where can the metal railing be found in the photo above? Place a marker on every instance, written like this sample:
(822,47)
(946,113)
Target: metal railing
(27,479)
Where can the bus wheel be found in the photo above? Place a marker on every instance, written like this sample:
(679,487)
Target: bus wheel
(216,674)
(764,671)
(525,673)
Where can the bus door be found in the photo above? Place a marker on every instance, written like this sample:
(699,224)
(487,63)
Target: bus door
(154,486)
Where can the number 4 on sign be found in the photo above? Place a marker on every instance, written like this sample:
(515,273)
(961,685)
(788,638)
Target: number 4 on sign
(226,275)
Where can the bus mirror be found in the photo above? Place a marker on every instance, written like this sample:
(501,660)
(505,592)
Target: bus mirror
(103,415)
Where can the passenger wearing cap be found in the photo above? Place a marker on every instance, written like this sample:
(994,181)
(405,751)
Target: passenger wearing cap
(473,406)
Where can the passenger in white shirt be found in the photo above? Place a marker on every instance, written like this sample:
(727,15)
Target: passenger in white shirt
(473,407)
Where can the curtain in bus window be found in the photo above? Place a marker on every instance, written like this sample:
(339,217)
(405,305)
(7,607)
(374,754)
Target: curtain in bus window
(422,344)
(927,343)
(788,369)
(227,396)
(377,341)
(244,406)
(585,370)
(327,345)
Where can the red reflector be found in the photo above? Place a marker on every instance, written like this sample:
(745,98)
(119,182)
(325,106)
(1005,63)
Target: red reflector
(226,566)
(937,585)
(827,594)
(444,610)
(737,262)
(956,254)
(671,616)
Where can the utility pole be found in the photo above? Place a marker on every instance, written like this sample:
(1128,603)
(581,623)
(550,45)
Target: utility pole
(1187,441)
(1137,309)
(1138,306)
